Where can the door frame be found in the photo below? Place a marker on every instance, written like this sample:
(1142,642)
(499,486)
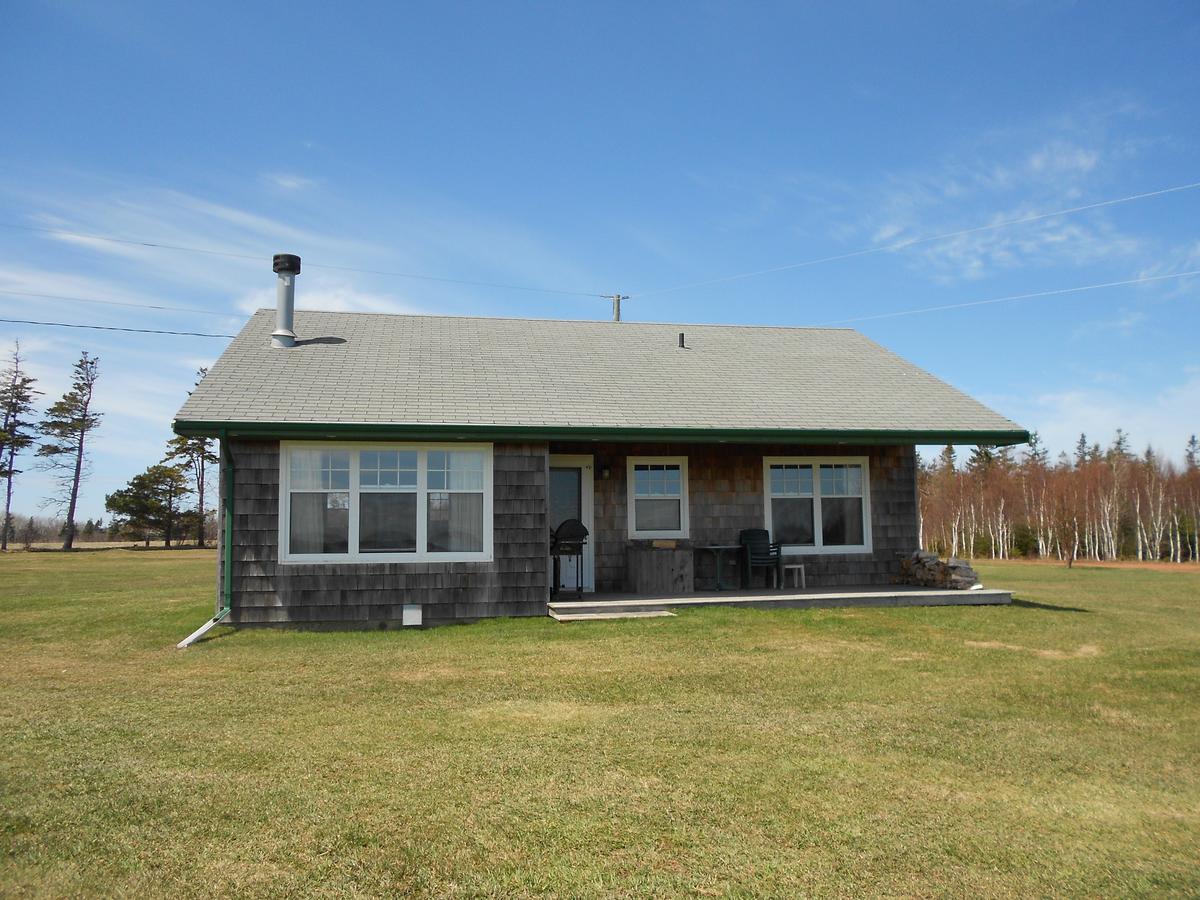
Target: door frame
(586,463)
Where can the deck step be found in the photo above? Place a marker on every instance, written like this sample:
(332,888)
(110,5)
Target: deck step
(576,616)
(626,607)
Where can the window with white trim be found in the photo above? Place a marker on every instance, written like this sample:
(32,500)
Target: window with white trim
(818,504)
(385,503)
(657,496)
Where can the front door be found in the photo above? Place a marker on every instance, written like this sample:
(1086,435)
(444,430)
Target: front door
(571,488)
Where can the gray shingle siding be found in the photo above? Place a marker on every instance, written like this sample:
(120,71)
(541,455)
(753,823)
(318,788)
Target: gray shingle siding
(514,583)
(725,492)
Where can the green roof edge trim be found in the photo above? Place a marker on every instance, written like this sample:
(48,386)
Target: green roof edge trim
(367,431)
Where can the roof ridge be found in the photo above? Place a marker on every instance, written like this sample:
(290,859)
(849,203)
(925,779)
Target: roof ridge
(399,315)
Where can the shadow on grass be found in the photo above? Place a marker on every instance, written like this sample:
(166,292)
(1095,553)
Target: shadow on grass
(215,635)
(107,549)
(1029,604)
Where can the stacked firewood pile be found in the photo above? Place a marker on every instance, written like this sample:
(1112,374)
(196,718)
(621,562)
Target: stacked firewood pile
(925,569)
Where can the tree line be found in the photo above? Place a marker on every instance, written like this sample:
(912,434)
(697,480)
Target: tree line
(153,505)
(1100,503)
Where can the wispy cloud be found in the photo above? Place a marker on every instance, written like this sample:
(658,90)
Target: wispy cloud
(287,181)
(330,297)
(1054,174)
(1123,324)
(1153,417)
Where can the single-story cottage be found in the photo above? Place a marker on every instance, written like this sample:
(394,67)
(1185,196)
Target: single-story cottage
(380,470)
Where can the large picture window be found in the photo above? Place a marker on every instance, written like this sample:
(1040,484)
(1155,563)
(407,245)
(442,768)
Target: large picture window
(658,496)
(385,503)
(818,505)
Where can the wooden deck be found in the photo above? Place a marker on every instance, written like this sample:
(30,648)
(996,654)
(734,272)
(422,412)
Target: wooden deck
(623,605)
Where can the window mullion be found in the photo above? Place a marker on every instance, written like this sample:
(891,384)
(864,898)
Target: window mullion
(818,516)
(285,480)
(422,503)
(354,504)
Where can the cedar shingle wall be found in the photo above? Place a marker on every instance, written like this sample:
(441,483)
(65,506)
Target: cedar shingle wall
(373,594)
(726,495)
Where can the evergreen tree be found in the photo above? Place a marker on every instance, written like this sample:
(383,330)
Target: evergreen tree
(946,459)
(981,461)
(1120,446)
(196,454)
(66,428)
(149,504)
(1081,451)
(1037,454)
(16,430)
(28,533)
(1003,457)
(1191,454)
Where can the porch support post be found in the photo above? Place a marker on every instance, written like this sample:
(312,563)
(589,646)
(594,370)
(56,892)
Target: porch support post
(226,603)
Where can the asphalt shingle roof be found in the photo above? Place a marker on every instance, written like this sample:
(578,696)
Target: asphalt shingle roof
(378,369)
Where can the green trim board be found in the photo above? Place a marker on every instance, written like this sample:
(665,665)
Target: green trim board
(414,431)
(227,570)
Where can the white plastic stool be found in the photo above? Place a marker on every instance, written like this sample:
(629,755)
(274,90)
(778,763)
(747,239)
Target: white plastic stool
(795,567)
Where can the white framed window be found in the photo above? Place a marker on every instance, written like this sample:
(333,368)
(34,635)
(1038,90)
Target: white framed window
(359,502)
(657,496)
(818,504)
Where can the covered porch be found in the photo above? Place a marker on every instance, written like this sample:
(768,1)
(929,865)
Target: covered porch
(666,519)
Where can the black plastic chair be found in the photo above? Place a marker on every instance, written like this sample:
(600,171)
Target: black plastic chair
(760,553)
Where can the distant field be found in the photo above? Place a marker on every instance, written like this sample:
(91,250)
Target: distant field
(99,545)
(1049,747)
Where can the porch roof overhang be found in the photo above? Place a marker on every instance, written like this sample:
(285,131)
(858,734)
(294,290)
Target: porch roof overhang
(456,432)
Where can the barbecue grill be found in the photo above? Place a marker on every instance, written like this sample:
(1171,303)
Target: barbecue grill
(568,540)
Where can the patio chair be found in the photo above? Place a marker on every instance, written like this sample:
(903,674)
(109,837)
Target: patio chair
(761,554)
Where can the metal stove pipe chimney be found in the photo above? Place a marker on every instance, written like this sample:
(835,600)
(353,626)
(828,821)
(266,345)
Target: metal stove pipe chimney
(287,267)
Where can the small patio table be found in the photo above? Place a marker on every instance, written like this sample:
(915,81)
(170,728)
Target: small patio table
(718,551)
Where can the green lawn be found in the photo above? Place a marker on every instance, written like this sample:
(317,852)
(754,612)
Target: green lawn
(1051,747)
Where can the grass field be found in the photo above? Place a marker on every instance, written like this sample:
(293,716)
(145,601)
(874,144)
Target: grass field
(1050,747)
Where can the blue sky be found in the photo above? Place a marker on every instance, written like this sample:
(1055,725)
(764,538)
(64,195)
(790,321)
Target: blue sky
(616,147)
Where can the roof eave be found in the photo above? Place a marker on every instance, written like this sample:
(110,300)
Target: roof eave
(410,431)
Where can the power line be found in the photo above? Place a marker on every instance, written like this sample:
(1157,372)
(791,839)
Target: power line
(115,328)
(900,245)
(907,312)
(1073,290)
(186,309)
(133,242)
(509,287)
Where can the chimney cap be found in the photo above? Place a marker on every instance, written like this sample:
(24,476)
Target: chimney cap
(286,262)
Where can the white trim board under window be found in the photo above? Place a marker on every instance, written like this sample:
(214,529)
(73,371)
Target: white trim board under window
(384,502)
(818,504)
(657,496)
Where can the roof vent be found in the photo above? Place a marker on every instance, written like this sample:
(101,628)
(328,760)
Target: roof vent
(682,345)
(287,267)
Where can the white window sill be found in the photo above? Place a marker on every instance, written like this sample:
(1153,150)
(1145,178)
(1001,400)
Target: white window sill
(362,559)
(805,550)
